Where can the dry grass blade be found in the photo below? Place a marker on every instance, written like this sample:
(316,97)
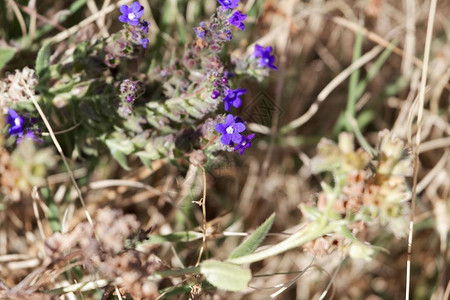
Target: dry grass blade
(93,18)
(421,103)
(364,59)
(60,151)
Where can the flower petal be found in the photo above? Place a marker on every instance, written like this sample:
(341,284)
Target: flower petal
(241,92)
(240,127)
(225,139)
(15,130)
(136,7)
(12,113)
(220,128)
(229,119)
(145,42)
(123,19)
(133,22)
(236,137)
(124,9)
(227,105)
(139,13)
(237,102)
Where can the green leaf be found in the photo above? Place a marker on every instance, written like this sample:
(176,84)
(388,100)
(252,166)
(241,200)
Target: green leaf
(6,54)
(184,236)
(43,59)
(249,246)
(173,291)
(345,232)
(225,275)
(120,158)
(311,213)
(119,149)
(354,77)
(373,71)
(52,213)
(125,146)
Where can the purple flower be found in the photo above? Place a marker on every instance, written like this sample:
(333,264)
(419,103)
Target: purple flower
(144,42)
(230,130)
(132,14)
(200,31)
(237,18)
(232,98)
(29,135)
(228,74)
(244,143)
(267,59)
(215,94)
(129,98)
(16,123)
(144,25)
(228,4)
(228,35)
(18,126)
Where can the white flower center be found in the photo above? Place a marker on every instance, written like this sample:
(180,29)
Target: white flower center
(244,143)
(230,130)
(131,16)
(17,121)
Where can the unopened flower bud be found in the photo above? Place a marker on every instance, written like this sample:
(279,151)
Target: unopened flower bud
(215,94)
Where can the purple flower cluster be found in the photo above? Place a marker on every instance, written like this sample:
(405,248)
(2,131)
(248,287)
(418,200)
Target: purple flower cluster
(200,31)
(217,30)
(229,4)
(132,15)
(230,97)
(129,92)
(233,127)
(21,127)
(266,59)
(231,131)
(233,98)
(237,17)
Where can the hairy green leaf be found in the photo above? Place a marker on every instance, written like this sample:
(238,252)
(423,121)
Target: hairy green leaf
(253,242)
(6,54)
(225,275)
(120,158)
(43,59)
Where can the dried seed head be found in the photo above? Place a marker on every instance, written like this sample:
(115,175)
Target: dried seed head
(13,87)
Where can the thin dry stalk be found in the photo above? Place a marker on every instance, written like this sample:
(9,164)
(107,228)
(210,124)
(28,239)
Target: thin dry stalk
(19,16)
(314,108)
(203,203)
(410,37)
(60,151)
(421,103)
(32,12)
(94,17)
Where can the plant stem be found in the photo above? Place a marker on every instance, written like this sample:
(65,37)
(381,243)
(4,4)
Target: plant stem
(179,272)
(80,287)
(309,233)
